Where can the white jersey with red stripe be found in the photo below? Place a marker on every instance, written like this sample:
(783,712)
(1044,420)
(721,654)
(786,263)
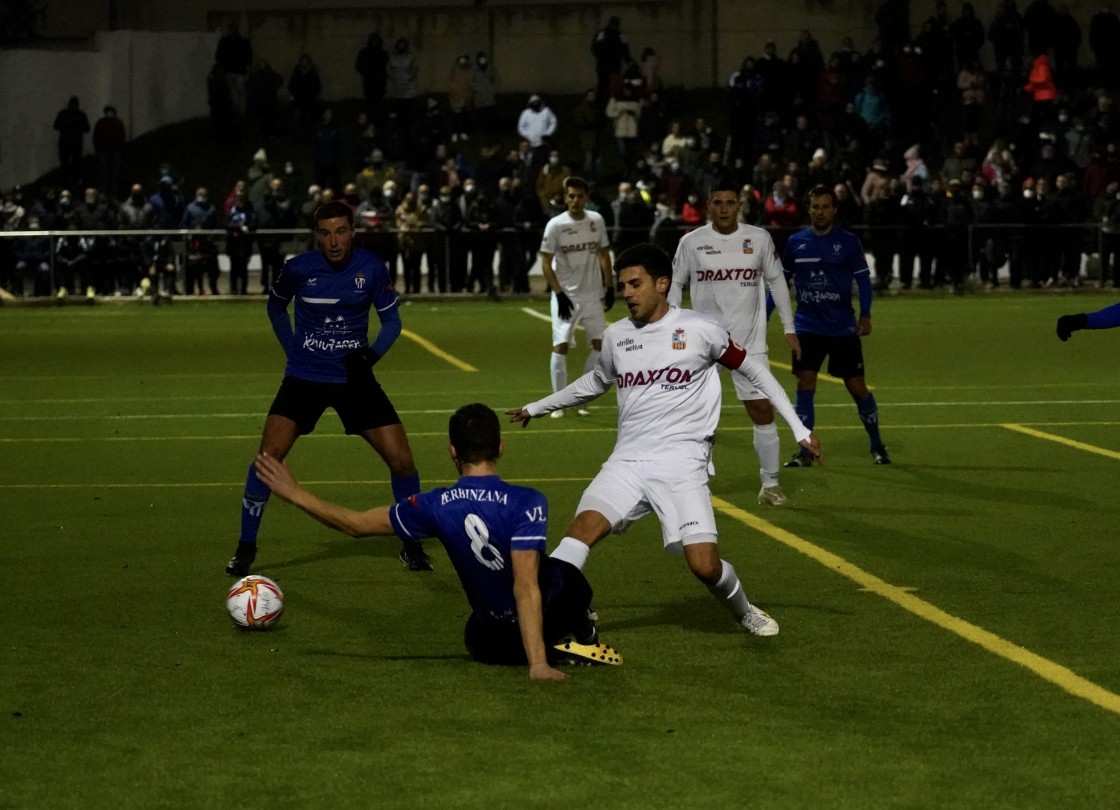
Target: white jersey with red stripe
(669,393)
(727,276)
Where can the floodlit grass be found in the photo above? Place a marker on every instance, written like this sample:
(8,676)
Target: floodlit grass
(125,432)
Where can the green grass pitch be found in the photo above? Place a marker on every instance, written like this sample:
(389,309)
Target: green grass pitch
(981,672)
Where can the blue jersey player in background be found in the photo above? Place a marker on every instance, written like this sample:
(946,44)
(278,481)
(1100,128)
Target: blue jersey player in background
(523,604)
(330,364)
(823,261)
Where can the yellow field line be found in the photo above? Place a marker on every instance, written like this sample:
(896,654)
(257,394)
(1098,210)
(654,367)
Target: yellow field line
(437,351)
(822,376)
(1044,668)
(1050,437)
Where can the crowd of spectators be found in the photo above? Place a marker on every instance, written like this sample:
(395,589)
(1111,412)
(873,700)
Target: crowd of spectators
(949,168)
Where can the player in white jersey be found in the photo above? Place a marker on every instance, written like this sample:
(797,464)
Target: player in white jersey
(728,266)
(663,360)
(576,260)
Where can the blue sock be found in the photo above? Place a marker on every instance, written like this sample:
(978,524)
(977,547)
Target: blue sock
(805,411)
(403,487)
(869,415)
(252,506)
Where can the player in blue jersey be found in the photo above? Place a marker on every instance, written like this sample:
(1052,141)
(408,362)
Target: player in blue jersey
(523,603)
(1107,318)
(823,261)
(330,361)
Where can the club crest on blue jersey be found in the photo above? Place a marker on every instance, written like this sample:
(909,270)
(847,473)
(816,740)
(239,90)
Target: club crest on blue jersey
(679,339)
(359,280)
(748,248)
(836,247)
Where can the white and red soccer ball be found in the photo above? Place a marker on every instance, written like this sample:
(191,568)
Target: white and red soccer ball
(255,602)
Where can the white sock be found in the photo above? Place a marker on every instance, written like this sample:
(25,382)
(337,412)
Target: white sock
(592,360)
(559,371)
(730,591)
(572,551)
(769,449)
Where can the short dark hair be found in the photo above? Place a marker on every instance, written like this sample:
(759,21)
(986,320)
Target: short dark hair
(332,210)
(475,433)
(724,183)
(655,260)
(821,190)
(575,182)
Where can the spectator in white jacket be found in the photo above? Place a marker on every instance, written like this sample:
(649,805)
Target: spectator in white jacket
(536,125)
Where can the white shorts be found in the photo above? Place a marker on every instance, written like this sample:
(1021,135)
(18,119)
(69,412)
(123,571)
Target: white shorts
(744,388)
(585,310)
(625,491)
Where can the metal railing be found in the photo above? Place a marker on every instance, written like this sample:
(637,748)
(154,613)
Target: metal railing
(113,253)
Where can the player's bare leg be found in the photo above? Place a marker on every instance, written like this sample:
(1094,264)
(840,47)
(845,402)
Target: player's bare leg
(768,446)
(719,577)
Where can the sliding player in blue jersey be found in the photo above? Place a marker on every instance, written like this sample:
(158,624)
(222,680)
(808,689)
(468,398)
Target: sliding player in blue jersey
(330,363)
(523,604)
(823,261)
(1107,318)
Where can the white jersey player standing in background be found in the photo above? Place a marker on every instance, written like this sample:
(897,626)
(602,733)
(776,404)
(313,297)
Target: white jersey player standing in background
(576,260)
(725,264)
(663,360)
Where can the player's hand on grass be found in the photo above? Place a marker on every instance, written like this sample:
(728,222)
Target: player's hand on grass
(519,415)
(544,672)
(275,475)
(813,445)
(794,344)
(1068,324)
(608,298)
(564,306)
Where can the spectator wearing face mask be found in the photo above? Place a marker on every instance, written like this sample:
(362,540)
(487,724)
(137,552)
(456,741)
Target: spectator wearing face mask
(202,254)
(694,212)
(377,214)
(676,184)
(376,172)
(277,210)
(780,209)
(536,124)
(445,247)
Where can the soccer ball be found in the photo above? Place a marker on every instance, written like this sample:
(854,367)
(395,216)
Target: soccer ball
(255,602)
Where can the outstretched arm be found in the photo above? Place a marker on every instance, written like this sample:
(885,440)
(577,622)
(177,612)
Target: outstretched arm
(1106,318)
(585,389)
(277,477)
(737,358)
